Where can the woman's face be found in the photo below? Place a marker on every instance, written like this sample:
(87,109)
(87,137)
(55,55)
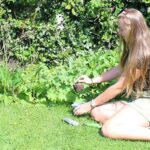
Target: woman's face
(124,27)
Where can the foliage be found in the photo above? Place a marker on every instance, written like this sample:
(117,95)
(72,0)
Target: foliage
(50,31)
(38,83)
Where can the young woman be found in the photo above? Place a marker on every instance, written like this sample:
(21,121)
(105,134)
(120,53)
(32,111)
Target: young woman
(121,119)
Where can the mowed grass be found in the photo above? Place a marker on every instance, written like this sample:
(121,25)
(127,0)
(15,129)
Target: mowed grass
(39,127)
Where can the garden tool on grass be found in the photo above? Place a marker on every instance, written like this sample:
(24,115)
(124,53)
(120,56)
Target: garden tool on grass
(75,123)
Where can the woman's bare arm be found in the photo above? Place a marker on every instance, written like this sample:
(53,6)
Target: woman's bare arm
(111,91)
(106,96)
(109,75)
(115,89)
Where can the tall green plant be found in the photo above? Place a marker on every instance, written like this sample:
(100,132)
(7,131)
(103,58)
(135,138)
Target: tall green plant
(37,83)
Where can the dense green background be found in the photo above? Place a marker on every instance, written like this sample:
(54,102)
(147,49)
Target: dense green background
(29,30)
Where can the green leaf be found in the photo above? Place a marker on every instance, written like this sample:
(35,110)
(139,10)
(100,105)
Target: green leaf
(73,12)
(68,7)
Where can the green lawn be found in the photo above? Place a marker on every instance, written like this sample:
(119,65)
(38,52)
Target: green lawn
(39,127)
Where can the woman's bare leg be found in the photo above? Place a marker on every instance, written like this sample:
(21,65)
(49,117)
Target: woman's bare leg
(106,111)
(127,123)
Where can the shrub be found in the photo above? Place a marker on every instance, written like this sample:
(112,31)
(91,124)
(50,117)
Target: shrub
(37,83)
(50,31)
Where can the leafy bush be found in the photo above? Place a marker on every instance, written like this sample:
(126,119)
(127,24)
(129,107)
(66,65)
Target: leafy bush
(37,83)
(33,33)
(72,34)
(51,31)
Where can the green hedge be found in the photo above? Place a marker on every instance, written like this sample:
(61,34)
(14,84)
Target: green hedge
(30,31)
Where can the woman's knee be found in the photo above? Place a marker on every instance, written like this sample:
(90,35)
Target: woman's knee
(95,114)
(99,115)
(111,130)
(104,112)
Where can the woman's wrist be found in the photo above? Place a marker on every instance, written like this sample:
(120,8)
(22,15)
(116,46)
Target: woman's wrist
(96,80)
(92,103)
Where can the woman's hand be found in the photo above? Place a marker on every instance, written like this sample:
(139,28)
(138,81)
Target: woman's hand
(84,79)
(82,109)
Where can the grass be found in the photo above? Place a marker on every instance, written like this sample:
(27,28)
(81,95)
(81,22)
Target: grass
(38,127)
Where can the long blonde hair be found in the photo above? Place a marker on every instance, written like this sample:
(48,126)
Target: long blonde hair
(136,51)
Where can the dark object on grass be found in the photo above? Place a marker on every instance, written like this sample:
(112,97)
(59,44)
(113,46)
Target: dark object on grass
(71,122)
(75,123)
(78,87)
